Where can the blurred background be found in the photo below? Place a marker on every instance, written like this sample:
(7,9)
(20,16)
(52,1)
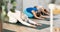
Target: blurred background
(22,4)
(6,5)
(0,16)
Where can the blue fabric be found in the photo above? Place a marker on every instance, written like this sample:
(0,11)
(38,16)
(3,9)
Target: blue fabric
(28,14)
(30,9)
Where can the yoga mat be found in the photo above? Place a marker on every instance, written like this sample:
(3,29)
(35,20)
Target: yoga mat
(55,18)
(43,26)
(6,30)
(47,19)
(38,27)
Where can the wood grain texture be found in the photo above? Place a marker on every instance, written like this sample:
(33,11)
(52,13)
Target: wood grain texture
(0,21)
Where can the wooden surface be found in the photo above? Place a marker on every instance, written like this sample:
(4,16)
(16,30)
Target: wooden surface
(20,28)
(0,26)
(0,21)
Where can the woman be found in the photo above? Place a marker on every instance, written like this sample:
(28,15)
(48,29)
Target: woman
(36,11)
(21,17)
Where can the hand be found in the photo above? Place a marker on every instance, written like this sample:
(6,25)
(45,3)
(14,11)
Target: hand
(33,26)
(38,24)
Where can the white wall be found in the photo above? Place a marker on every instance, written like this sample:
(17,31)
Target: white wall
(57,2)
(19,4)
(29,3)
(44,3)
(18,7)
